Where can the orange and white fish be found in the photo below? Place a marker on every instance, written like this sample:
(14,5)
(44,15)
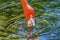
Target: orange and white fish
(29,13)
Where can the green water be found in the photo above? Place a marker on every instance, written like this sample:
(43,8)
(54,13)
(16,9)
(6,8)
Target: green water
(13,23)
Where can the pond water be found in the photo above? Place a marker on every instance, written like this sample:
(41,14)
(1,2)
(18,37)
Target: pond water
(47,24)
(50,31)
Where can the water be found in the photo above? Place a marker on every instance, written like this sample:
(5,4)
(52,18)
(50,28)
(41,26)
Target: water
(47,20)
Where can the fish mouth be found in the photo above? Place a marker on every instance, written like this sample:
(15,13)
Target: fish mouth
(31,22)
